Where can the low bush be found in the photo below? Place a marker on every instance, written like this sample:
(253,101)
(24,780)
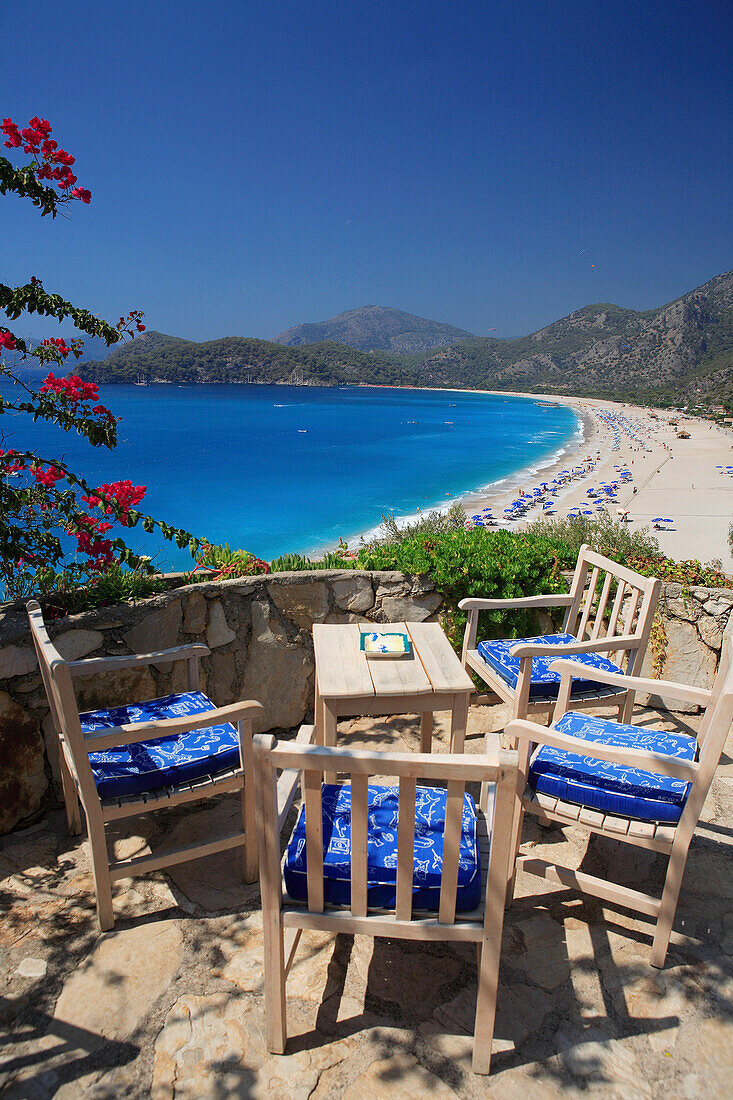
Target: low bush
(62,595)
(220,562)
(686,573)
(433,523)
(619,541)
(479,562)
(297,563)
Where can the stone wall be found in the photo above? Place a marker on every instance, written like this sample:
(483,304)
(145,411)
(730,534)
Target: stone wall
(257,628)
(259,632)
(687,646)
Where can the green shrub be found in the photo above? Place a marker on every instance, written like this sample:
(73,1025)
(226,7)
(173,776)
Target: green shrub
(601,532)
(479,562)
(434,523)
(683,572)
(297,563)
(222,562)
(62,596)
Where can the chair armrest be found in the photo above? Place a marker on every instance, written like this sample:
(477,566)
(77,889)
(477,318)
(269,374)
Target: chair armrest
(114,736)
(559,599)
(289,780)
(668,688)
(92,665)
(598,645)
(523,730)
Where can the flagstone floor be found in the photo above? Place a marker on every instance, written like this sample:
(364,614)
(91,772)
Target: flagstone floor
(170,1004)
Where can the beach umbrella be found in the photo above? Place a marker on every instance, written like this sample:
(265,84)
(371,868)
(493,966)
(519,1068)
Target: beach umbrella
(587,512)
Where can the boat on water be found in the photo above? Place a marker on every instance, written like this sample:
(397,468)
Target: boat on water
(549,404)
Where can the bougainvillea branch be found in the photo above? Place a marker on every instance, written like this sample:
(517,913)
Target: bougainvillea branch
(44,506)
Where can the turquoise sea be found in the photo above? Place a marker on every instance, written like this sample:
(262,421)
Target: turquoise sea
(283,468)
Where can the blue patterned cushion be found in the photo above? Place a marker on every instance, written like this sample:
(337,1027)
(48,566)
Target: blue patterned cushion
(165,761)
(382,849)
(545,684)
(613,788)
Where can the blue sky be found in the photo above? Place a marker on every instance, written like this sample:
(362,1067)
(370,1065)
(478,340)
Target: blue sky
(254,165)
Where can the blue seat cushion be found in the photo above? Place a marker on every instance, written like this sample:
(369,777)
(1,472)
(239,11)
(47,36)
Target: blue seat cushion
(165,761)
(545,684)
(608,787)
(382,849)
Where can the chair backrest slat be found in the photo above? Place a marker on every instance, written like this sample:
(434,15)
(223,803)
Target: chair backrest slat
(634,602)
(631,610)
(355,766)
(314,839)
(451,849)
(577,588)
(359,823)
(598,622)
(590,595)
(616,609)
(405,847)
(62,702)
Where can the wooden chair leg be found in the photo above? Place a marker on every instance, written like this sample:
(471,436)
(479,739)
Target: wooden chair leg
(275,1014)
(516,841)
(248,805)
(626,712)
(100,871)
(488,981)
(668,906)
(249,851)
(517,820)
(71,798)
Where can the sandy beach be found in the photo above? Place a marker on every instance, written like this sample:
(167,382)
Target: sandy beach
(673,478)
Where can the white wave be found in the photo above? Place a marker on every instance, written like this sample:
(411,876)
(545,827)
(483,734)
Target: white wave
(507,481)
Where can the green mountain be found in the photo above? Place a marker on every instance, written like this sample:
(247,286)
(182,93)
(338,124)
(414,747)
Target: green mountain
(681,352)
(375,328)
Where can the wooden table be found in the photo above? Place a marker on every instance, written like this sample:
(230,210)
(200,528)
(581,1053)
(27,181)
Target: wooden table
(430,678)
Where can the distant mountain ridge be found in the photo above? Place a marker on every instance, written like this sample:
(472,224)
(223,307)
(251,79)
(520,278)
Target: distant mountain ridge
(375,328)
(680,352)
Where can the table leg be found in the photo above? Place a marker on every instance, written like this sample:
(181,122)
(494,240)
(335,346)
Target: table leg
(329,733)
(426,731)
(318,720)
(459,719)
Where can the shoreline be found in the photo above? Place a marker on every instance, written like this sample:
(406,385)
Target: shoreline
(678,479)
(554,461)
(506,487)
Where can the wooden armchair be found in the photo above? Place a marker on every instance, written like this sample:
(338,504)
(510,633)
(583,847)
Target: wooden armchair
(602,637)
(425,863)
(632,784)
(130,760)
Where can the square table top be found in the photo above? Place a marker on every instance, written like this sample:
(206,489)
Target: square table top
(344,671)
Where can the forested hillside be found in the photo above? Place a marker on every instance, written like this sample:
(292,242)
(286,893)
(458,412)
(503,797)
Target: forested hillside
(376,328)
(682,351)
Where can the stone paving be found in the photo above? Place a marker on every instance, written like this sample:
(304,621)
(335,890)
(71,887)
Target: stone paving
(170,1004)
